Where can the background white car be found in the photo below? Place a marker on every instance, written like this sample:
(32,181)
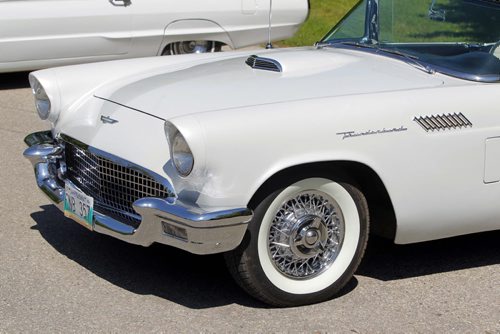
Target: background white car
(43,33)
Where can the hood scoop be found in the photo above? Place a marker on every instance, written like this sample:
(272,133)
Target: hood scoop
(265,64)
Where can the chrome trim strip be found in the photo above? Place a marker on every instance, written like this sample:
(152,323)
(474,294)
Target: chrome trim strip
(189,216)
(107,223)
(204,232)
(129,107)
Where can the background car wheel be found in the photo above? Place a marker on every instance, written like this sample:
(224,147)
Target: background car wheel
(188,47)
(303,244)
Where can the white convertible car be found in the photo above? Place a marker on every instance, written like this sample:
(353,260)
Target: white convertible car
(286,160)
(38,34)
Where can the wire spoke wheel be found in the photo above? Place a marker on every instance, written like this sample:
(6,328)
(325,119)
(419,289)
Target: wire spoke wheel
(306,235)
(303,244)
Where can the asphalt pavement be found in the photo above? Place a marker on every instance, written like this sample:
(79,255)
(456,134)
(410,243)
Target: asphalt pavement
(56,276)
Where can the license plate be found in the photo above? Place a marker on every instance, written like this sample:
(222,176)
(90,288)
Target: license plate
(79,206)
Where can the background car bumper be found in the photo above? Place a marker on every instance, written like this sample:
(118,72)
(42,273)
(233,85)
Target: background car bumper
(173,223)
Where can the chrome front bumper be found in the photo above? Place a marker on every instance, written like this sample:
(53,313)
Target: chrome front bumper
(171,223)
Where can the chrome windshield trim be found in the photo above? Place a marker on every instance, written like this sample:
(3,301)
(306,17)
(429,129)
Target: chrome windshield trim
(122,162)
(490,78)
(425,66)
(371,22)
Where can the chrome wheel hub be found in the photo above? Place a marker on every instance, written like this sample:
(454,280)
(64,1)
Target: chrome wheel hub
(306,235)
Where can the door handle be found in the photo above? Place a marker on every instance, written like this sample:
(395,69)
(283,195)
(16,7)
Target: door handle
(120,3)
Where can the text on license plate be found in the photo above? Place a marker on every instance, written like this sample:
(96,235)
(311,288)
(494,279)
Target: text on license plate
(78,206)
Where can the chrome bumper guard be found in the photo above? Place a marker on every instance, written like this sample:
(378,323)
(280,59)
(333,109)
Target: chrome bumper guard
(171,223)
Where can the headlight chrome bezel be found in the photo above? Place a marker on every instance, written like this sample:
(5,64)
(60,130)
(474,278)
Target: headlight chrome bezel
(180,153)
(42,101)
(45,89)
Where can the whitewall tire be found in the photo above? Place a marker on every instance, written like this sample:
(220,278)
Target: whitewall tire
(303,244)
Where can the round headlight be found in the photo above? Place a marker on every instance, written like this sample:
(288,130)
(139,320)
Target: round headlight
(181,154)
(42,101)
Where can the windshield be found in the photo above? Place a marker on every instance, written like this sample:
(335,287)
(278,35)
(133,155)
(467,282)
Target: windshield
(456,37)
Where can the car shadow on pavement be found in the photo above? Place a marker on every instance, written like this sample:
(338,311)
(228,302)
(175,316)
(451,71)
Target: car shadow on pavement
(14,80)
(196,282)
(387,261)
(193,281)
(200,282)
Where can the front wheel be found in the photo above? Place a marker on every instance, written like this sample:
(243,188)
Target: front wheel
(303,244)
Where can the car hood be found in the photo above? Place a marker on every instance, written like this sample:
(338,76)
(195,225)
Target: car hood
(232,83)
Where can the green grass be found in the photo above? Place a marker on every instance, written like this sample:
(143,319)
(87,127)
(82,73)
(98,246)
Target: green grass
(324,15)
(463,23)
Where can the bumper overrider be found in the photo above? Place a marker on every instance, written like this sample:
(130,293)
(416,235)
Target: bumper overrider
(164,220)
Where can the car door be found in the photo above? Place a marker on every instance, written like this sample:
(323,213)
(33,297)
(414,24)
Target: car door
(33,30)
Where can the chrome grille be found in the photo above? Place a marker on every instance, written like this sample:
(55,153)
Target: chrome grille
(266,64)
(443,122)
(113,187)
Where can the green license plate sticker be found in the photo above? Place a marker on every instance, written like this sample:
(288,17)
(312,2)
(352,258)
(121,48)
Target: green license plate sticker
(78,206)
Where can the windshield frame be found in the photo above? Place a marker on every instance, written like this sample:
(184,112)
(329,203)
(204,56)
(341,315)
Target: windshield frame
(369,43)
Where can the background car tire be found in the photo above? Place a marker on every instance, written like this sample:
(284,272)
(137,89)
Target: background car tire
(308,269)
(189,47)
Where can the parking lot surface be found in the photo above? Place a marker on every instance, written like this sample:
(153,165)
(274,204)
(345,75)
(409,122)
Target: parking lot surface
(56,276)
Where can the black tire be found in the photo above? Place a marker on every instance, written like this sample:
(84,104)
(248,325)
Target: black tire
(246,263)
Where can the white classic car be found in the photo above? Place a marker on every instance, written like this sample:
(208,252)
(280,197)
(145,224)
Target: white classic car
(38,34)
(287,159)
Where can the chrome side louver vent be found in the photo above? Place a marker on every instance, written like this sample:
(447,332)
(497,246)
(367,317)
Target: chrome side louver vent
(443,122)
(266,64)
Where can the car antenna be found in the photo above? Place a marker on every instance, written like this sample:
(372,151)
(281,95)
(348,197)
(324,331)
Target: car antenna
(269,43)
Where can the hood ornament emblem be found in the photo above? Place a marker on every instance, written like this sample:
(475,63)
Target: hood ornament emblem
(108,120)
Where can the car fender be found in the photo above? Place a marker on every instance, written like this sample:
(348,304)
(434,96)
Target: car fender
(231,163)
